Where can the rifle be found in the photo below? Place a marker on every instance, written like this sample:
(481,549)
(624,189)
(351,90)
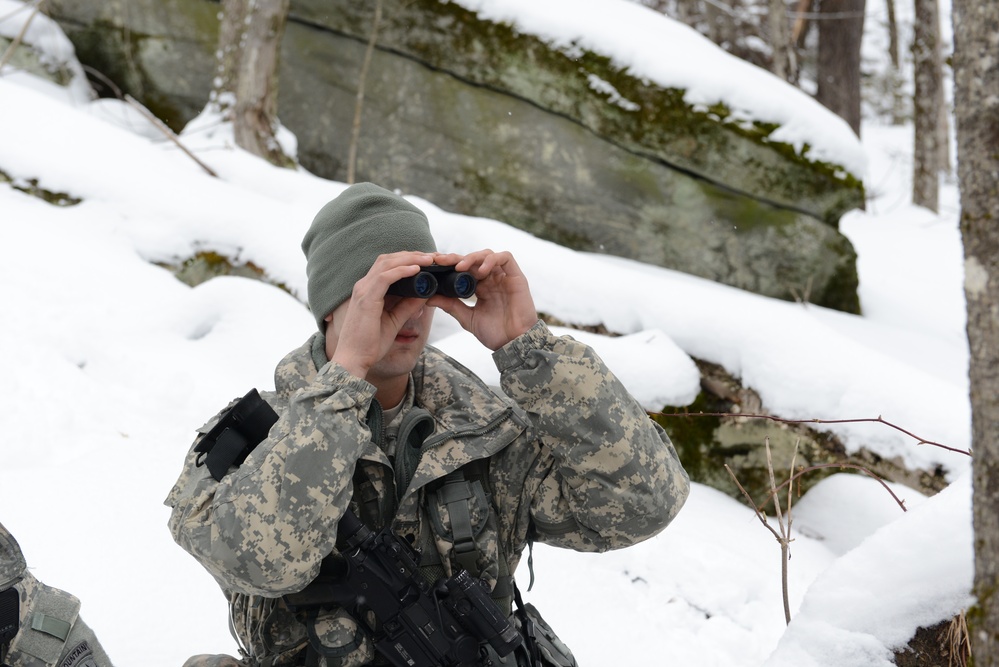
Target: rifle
(376,579)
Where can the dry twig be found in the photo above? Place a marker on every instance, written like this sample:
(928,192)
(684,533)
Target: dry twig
(819,466)
(783,536)
(782,420)
(168,133)
(784,517)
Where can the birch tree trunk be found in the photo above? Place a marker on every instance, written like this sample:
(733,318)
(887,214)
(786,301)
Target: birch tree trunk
(976,98)
(246,87)
(928,71)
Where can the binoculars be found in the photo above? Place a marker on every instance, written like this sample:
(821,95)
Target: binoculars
(443,280)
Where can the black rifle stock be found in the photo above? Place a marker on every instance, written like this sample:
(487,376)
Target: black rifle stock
(376,579)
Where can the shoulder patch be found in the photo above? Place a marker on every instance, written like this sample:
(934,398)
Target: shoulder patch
(81,656)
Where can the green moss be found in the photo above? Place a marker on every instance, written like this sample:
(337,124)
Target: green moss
(657,122)
(706,443)
(841,288)
(977,617)
(207,264)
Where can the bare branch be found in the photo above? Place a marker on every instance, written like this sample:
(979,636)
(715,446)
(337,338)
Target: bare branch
(168,133)
(773,485)
(819,466)
(20,35)
(878,420)
(785,531)
(790,482)
(752,503)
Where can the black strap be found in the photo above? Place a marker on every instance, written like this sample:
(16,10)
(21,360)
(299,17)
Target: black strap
(456,493)
(241,428)
(528,629)
(10,601)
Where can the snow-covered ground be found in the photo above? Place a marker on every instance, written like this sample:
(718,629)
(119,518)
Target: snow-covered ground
(108,363)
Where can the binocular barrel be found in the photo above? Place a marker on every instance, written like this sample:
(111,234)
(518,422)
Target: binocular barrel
(443,280)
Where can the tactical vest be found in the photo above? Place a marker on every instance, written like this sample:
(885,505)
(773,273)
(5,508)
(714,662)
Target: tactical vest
(246,423)
(454,492)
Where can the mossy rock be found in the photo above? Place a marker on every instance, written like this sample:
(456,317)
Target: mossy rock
(31,186)
(485,121)
(207,264)
(26,58)
(716,431)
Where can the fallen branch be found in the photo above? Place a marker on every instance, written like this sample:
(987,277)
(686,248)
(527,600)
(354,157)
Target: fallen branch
(168,133)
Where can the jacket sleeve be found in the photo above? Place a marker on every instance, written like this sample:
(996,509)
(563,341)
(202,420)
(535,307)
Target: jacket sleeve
(267,525)
(607,476)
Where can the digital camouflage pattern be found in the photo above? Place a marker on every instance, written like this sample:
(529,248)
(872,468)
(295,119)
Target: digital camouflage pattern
(573,459)
(51,632)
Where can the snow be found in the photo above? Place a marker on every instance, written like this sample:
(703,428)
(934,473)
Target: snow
(109,364)
(652,47)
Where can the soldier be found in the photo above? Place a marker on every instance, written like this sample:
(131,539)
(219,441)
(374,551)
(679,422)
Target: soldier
(40,626)
(372,419)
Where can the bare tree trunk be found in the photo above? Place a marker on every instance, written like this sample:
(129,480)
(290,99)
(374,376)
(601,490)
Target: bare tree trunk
(892,35)
(355,132)
(784,64)
(976,102)
(801,23)
(943,115)
(895,76)
(925,108)
(683,11)
(722,22)
(943,132)
(247,83)
(841,30)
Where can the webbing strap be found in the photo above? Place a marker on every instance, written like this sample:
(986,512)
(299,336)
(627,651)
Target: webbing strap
(455,494)
(51,626)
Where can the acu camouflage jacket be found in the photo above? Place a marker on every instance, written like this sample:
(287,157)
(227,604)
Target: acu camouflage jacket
(573,461)
(40,626)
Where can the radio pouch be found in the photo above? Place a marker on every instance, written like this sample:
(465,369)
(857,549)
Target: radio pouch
(238,431)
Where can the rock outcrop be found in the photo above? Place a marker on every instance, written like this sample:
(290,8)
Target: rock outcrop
(486,121)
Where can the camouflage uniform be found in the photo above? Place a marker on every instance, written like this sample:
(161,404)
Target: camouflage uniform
(573,461)
(49,630)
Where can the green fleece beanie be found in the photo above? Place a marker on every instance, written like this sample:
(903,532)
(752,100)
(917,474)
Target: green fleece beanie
(349,233)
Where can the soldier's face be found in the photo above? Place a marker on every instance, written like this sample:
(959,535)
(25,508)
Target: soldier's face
(403,351)
(407,347)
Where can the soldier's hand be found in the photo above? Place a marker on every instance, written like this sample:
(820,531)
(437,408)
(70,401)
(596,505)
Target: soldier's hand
(503,309)
(369,321)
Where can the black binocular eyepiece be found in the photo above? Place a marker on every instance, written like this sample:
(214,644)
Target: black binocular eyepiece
(443,280)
